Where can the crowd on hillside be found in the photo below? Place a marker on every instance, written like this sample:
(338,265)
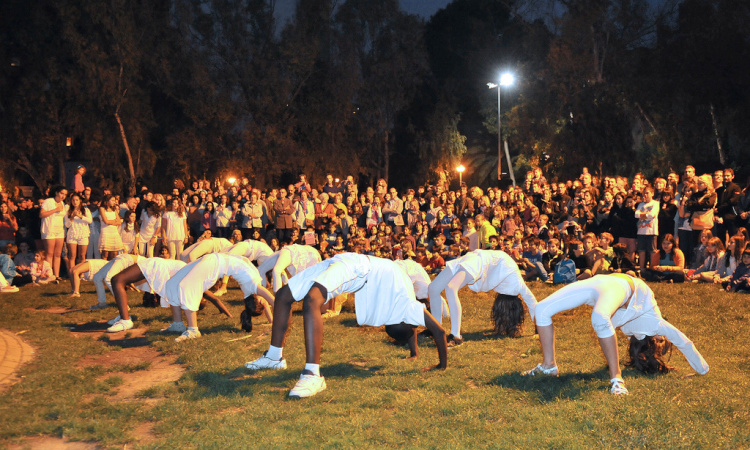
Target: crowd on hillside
(682,227)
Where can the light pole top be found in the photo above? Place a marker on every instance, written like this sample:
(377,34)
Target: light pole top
(460,168)
(507,79)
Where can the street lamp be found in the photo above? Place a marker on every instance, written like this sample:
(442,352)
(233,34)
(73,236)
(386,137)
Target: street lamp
(506,79)
(460,169)
(231,180)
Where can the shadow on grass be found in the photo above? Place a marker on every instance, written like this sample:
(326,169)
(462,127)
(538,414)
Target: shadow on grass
(567,386)
(239,380)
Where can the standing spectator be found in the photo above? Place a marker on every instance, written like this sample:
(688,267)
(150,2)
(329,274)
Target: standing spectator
(174,228)
(223,216)
(110,241)
(284,220)
(647,213)
(330,188)
(53,227)
(701,206)
(728,199)
(77,221)
(129,233)
(78,179)
(8,226)
(150,229)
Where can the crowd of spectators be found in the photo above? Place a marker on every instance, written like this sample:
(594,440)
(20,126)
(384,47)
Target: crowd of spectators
(682,227)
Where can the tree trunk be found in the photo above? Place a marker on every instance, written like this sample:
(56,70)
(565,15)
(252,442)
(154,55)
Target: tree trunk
(719,146)
(25,165)
(131,183)
(652,125)
(387,156)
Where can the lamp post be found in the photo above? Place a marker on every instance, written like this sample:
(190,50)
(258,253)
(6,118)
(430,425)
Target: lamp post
(460,169)
(506,79)
(231,180)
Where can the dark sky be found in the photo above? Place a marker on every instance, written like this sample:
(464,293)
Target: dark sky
(424,8)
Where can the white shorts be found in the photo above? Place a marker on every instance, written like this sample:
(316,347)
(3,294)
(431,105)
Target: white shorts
(79,241)
(60,234)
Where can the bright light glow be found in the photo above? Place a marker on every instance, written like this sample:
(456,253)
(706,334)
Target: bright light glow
(231,180)
(460,169)
(491,85)
(507,79)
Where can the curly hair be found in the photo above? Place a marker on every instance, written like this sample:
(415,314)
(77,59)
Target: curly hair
(647,354)
(253,308)
(507,315)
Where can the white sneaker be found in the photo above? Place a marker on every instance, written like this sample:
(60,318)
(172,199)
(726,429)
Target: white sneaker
(97,306)
(265,362)
(120,325)
(307,386)
(174,327)
(188,334)
(8,289)
(618,387)
(113,321)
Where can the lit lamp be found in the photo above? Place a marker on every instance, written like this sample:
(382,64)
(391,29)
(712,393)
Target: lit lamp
(460,169)
(231,180)
(506,79)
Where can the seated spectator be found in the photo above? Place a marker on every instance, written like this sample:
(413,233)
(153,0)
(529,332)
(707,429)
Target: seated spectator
(700,253)
(23,259)
(740,280)
(41,269)
(533,260)
(671,265)
(707,270)
(593,257)
(622,263)
(732,257)
(552,256)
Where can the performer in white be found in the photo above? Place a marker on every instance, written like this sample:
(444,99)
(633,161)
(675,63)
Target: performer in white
(420,280)
(482,271)
(154,272)
(293,259)
(204,246)
(619,301)
(84,271)
(188,286)
(255,251)
(383,296)
(104,276)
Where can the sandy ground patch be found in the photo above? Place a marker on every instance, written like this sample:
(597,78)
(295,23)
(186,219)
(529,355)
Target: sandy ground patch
(51,443)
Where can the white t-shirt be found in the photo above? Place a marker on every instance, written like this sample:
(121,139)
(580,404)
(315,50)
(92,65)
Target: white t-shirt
(175,226)
(53,225)
(158,271)
(650,225)
(149,225)
(252,250)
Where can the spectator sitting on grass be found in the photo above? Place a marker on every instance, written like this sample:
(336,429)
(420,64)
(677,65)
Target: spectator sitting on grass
(41,269)
(740,280)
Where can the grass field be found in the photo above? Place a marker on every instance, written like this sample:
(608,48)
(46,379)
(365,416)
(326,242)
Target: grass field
(375,396)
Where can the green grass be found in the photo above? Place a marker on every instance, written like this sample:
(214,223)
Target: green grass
(375,396)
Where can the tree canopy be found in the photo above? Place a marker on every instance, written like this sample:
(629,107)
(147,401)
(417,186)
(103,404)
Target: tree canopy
(151,91)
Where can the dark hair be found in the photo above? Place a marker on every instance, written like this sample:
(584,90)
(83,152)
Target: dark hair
(253,308)
(150,300)
(647,354)
(507,315)
(668,238)
(401,332)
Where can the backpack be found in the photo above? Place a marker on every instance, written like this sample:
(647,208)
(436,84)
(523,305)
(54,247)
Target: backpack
(565,272)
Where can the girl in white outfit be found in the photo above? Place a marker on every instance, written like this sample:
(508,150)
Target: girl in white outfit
(293,258)
(53,227)
(174,228)
(110,242)
(482,271)
(150,229)
(77,221)
(188,286)
(618,301)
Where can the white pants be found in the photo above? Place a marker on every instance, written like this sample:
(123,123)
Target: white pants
(450,283)
(175,248)
(605,294)
(278,262)
(146,249)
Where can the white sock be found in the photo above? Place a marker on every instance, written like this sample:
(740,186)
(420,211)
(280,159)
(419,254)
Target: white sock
(314,368)
(192,328)
(274,352)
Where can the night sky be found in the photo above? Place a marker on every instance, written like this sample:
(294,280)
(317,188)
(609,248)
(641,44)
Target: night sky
(424,8)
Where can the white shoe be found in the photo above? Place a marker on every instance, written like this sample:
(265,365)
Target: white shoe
(97,306)
(174,327)
(188,334)
(120,325)
(265,362)
(307,386)
(539,370)
(113,321)
(8,289)
(618,387)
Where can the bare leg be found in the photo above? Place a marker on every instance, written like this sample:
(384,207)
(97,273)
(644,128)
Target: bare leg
(75,274)
(547,340)
(49,248)
(609,347)
(132,274)
(82,249)
(282,314)
(72,253)
(313,322)
(176,313)
(641,260)
(192,318)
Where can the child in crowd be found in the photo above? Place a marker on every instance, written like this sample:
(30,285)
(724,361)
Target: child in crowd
(621,263)
(533,260)
(552,256)
(41,269)
(605,242)
(740,280)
